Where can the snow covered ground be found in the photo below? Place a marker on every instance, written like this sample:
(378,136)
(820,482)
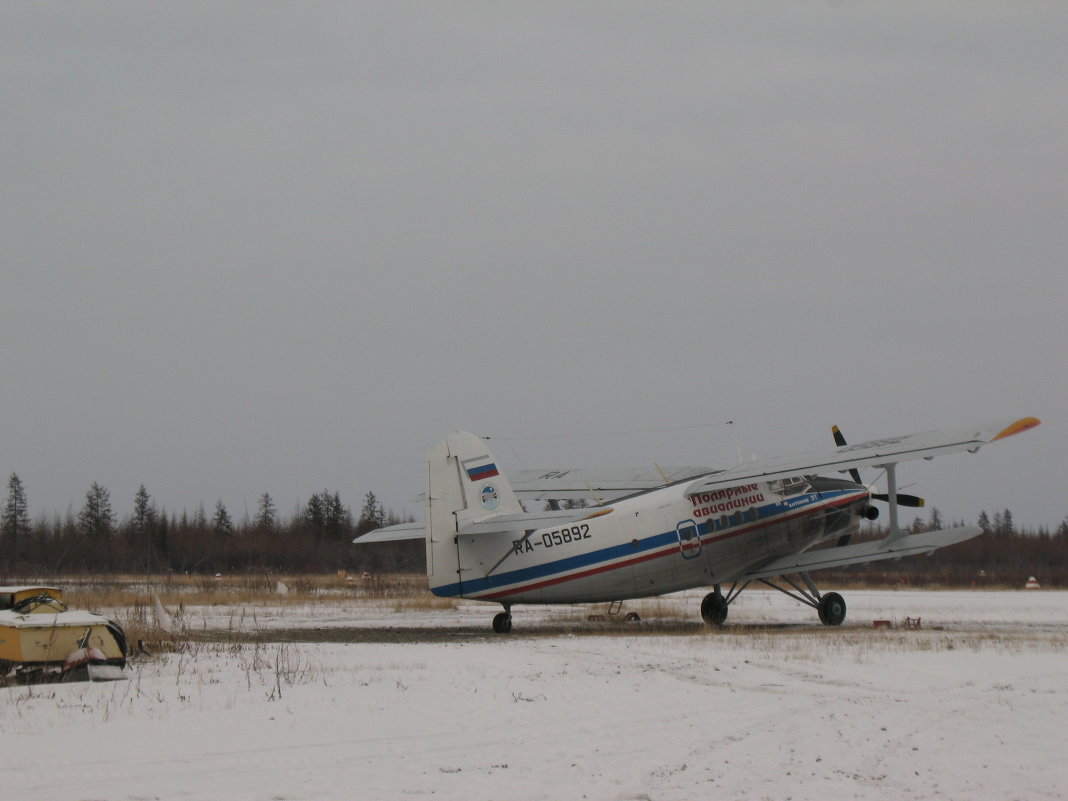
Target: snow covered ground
(776,706)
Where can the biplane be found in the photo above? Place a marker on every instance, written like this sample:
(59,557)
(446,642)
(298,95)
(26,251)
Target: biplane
(619,534)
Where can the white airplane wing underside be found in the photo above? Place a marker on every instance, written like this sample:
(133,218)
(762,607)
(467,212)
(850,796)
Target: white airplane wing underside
(603,484)
(532,521)
(887,548)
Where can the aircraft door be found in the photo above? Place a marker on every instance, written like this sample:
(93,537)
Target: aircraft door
(689,539)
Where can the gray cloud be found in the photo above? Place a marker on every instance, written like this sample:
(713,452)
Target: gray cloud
(279,248)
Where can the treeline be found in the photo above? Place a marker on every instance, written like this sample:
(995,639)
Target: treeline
(1003,556)
(317,538)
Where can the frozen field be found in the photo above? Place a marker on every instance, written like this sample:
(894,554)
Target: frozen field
(973,706)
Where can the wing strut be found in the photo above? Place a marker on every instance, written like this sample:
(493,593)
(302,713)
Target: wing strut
(891,495)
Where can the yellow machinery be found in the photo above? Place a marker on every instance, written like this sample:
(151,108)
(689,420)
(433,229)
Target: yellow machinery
(37,630)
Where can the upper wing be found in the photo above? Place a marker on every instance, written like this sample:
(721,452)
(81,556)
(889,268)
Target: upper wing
(888,450)
(605,485)
(608,485)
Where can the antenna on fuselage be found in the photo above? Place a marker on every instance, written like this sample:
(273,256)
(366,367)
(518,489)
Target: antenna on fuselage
(734,433)
(663,475)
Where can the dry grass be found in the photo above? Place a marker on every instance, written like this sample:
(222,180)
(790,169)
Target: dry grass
(131,600)
(240,603)
(118,591)
(423,601)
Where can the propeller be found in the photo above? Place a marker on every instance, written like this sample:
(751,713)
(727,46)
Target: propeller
(902,499)
(840,441)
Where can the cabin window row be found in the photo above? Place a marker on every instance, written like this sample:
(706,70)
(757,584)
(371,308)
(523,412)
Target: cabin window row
(736,519)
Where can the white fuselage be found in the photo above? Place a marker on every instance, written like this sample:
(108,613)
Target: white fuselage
(653,543)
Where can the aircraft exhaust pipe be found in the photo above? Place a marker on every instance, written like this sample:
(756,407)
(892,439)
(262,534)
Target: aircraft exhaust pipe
(871,513)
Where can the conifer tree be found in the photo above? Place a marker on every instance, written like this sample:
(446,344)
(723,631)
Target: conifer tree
(371,515)
(1062,530)
(16,519)
(221,522)
(266,513)
(327,516)
(96,519)
(1006,523)
(313,515)
(159,528)
(338,516)
(143,514)
(934,522)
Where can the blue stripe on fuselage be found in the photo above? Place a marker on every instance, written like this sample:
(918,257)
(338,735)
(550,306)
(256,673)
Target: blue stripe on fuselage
(534,572)
(633,548)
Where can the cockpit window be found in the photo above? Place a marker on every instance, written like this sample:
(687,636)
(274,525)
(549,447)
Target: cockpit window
(789,486)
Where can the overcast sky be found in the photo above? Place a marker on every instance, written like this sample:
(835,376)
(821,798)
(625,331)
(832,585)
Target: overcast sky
(275,247)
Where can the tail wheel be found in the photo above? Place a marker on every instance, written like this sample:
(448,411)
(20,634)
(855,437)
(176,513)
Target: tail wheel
(832,609)
(502,622)
(714,609)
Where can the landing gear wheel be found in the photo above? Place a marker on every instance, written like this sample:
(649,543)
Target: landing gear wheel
(502,622)
(714,609)
(832,609)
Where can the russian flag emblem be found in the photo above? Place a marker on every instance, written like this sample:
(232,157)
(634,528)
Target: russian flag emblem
(480,472)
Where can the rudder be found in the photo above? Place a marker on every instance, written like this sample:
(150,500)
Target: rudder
(464,485)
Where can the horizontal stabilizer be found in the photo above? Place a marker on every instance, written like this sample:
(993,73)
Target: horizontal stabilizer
(401,531)
(495,525)
(886,548)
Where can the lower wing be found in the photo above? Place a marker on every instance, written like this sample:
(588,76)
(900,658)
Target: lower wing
(886,548)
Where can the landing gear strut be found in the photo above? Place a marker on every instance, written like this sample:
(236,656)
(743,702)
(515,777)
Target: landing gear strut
(502,621)
(831,607)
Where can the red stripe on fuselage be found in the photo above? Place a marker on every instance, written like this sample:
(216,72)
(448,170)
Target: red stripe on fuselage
(549,582)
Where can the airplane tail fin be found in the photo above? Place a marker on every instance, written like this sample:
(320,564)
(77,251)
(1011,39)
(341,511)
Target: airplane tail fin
(464,486)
